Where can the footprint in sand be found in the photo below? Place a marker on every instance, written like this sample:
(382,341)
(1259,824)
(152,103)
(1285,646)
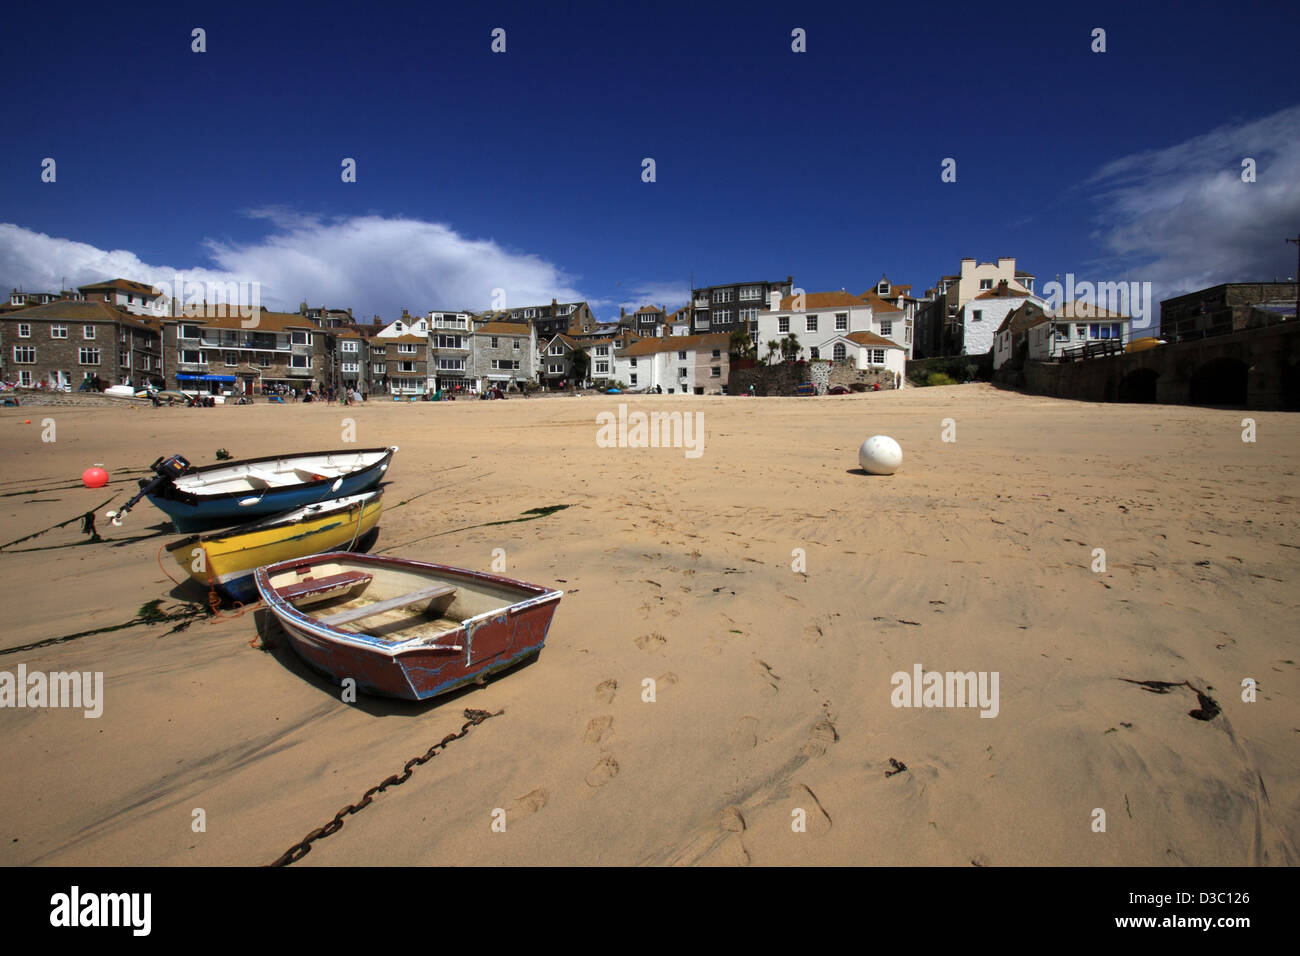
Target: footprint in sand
(818,820)
(599,729)
(732,851)
(762,673)
(745,734)
(606,769)
(651,642)
(605,691)
(823,735)
(529,803)
(812,633)
(665,680)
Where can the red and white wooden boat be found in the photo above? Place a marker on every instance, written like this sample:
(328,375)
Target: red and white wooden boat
(404,628)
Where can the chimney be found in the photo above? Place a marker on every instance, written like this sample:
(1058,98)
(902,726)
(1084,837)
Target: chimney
(622,312)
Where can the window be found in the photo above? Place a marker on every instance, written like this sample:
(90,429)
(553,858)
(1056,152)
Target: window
(883,288)
(783,324)
(555,368)
(887,326)
(841,321)
(406,366)
(602,368)
(450,365)
(715,373)
(494,343)
(717,353)
(681,373)
(634,361)
(299,361)
(189,331)
(87,331)
(634,378)
(877,356)
(748,315)
(450,342)
(1061,331)
(530,313)
(348,345)
(516,345)
(810,323)
(191,356)
(58,331)
(721,316)
(751,292)
(986,284)
(231,359)
(814,354)
(351,367)
(408,349)
(556,350)
(124,359)
(25,378)
(602,349)
(301,338)
(839,353)
(88,356)
(263,361)
(377,368)
(1080,331)
(681,356)
(723,295)
(24,330)
(976,315)
(24,355)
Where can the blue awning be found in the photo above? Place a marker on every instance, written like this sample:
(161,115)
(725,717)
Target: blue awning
(205,378)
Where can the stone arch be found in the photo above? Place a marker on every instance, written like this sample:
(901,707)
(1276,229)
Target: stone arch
(1139,386)
(1220,381)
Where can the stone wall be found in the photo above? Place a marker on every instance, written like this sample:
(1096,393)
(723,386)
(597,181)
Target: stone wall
(846,373)
(768,379)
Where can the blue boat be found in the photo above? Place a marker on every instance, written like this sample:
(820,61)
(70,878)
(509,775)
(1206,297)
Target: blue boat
(229,493)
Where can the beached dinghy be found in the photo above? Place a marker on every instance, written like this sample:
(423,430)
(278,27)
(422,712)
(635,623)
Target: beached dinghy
(405,628)
(227,559)
(215,496)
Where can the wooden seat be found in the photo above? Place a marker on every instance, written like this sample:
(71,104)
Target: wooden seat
(309,587)
(270,478)
(379,607)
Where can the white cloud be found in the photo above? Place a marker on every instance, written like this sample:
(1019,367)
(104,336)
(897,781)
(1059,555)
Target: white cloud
(371,263)
(1182,219)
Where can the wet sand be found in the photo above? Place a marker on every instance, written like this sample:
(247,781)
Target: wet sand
(772,673)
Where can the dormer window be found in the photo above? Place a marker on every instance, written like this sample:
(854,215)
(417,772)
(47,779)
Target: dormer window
(883,288)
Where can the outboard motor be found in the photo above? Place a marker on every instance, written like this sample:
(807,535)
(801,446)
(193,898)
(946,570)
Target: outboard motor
(166,471)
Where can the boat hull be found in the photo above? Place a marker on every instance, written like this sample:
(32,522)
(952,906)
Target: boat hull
(420,669)
(230,559)
(198,512)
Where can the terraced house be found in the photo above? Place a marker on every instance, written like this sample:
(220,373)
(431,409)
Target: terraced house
(134,297)
(681,364)
(726,308)
(216,352)
(502,355)
(65,341)
(548,320)
(406,364)
(448,350)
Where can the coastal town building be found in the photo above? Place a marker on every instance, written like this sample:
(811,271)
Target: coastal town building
(549,320)
(726,308)
(556,361)
(448,350)
(405,363)
(646,322)
(941,324)
(1224,308)
(680,364)
(1073,327)
(977,321)
(501,355)
(1013,331)
(216,353)
(62,342)
(832,326)
(135,297)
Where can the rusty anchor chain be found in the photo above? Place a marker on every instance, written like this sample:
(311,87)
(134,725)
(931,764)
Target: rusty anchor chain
(300,849)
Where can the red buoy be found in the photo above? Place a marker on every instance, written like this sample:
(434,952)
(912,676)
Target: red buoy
(94,477)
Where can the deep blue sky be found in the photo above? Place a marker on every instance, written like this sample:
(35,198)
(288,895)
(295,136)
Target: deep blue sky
(824,164)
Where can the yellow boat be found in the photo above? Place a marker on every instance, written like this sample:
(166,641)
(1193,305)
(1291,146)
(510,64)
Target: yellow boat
(227,559)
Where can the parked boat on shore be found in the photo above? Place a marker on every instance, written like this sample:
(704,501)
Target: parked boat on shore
(226,560)
(403,628)
(215,496)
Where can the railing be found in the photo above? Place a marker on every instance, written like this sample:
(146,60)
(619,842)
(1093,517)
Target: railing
(1092,350)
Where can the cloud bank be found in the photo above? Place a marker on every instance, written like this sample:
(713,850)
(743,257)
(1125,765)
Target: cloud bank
(374,264)
(1182,218)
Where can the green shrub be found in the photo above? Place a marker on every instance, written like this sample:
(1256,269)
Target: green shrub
(939,378)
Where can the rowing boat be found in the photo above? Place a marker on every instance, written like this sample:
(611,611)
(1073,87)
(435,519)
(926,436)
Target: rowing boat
(403,628)
(226,560)
(229,493)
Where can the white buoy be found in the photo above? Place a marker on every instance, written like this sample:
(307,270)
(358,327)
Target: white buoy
(880,455)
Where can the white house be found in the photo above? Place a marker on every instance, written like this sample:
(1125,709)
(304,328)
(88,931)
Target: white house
(680,364)
(1073,325)
(835,326)
(981,317)
(134,297)
(407,325)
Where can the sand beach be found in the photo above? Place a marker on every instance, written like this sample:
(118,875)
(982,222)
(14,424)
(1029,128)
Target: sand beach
(769,590)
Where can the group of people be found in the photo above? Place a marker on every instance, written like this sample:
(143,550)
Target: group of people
(346,395)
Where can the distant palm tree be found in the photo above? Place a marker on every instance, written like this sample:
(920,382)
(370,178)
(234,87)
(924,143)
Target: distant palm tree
(741,345)
(790,347)
(773,346)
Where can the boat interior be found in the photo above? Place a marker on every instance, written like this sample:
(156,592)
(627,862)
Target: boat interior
(392,604)
(262,475)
